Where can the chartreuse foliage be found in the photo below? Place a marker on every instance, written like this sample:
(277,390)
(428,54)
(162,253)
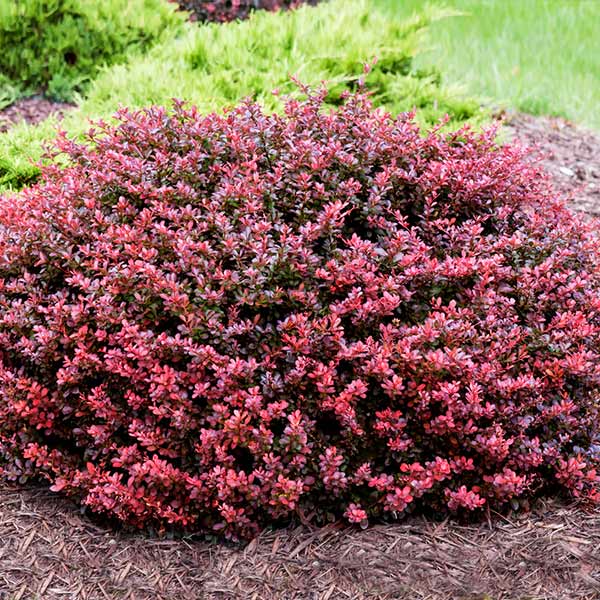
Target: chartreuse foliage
(217,323)
(58,46)
(214,66)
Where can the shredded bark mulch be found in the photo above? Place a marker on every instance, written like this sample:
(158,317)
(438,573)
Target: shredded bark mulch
(34,109)
(49,550)
(572,156)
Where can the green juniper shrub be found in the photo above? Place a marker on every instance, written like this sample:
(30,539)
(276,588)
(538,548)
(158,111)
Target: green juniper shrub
(58,46)
(215,66)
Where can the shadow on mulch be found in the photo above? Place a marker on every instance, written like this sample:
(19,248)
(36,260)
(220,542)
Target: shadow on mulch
(33,110)
(49,551)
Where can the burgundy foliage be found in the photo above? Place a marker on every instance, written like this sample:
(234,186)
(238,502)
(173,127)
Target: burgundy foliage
(222,11)
(217,323)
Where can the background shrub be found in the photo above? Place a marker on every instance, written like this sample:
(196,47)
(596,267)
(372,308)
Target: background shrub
(214,66)
(58,46)
(219,322)
(228,10)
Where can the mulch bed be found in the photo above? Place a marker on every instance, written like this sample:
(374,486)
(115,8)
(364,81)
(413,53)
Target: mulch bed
(31,110)
(572,156)
(49,550)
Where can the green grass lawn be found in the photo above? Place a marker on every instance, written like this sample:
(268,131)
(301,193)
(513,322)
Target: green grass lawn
(539,56)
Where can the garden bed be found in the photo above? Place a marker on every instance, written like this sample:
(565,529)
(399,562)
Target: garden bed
(123,442)
(571,156)
(32,110)
(48,550)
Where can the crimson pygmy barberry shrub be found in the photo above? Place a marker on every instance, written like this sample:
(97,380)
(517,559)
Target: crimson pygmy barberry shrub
(222,11)
(218,322)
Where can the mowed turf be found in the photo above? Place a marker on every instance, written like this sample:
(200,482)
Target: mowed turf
(538,56)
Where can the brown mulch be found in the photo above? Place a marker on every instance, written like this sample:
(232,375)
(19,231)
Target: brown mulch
(31,110)
(49,550)
(572,156)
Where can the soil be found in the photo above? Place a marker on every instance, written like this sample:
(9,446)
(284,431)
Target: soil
(49,550)
(571,156)
(31,110)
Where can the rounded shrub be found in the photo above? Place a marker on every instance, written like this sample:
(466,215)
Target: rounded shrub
(220,322)
(222,11)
